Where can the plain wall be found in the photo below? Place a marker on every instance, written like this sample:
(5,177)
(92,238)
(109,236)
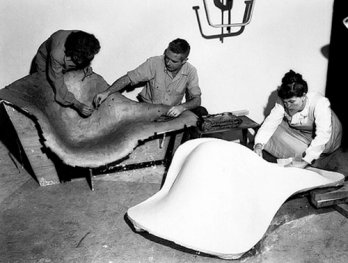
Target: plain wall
(239,73)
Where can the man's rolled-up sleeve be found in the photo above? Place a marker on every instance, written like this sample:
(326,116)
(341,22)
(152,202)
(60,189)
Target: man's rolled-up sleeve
(193,89)
(141,73)
(56,77)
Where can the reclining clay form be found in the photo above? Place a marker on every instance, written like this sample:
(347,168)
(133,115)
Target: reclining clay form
(108,135)
(219,197)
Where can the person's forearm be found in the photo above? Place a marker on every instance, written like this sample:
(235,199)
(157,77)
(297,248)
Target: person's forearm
(62,94)
(119,84)
(56,78)
(269,125)
(193,103)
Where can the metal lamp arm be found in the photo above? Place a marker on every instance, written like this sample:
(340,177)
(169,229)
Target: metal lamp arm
(244,23)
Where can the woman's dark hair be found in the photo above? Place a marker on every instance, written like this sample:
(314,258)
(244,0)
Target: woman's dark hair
(81,47)
(293,85)
(180,46)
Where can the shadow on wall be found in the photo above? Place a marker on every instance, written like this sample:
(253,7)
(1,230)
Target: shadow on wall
(272,98)
(325,51)
(273,95)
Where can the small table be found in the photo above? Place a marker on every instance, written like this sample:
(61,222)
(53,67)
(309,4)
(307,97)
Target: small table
(246,124)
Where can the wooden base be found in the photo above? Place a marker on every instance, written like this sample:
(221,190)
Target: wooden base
(49,169)
(336,197)
(25,131)
(159,149)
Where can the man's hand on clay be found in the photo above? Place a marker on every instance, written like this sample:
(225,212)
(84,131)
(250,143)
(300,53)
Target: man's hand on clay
(83,109)
(175,111)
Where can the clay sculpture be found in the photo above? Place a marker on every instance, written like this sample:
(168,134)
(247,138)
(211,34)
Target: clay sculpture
(220,197)
(109,134)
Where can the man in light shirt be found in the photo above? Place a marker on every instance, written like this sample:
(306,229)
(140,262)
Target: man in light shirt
(168,78)
(301,125)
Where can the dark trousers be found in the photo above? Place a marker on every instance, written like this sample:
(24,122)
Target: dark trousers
(192,132)
(200,111)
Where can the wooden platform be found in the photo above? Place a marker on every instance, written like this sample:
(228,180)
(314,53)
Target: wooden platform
(336,197)
(48,169)
(29,146)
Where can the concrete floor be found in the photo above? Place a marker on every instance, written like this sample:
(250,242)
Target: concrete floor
(70,223)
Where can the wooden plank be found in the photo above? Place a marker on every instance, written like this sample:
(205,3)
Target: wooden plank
(328,197)
(248,123)
(43,167)
(149,151)
(342,208)
(152,152)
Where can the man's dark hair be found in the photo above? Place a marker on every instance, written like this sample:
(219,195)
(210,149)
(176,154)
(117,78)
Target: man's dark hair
(180,46)
(293,85)
(81,47)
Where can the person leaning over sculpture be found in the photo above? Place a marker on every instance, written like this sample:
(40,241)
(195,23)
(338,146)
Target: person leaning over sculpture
(301,125)
(168,78)
(63,51)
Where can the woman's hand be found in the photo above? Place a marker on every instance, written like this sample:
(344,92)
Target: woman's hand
(299,164)
(258,149)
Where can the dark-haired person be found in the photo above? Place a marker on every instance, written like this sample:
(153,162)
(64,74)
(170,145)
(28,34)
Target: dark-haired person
(300,125)
(63,51)
(168,79)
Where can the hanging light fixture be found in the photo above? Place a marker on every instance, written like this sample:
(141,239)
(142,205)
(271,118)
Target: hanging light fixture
(225,6)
